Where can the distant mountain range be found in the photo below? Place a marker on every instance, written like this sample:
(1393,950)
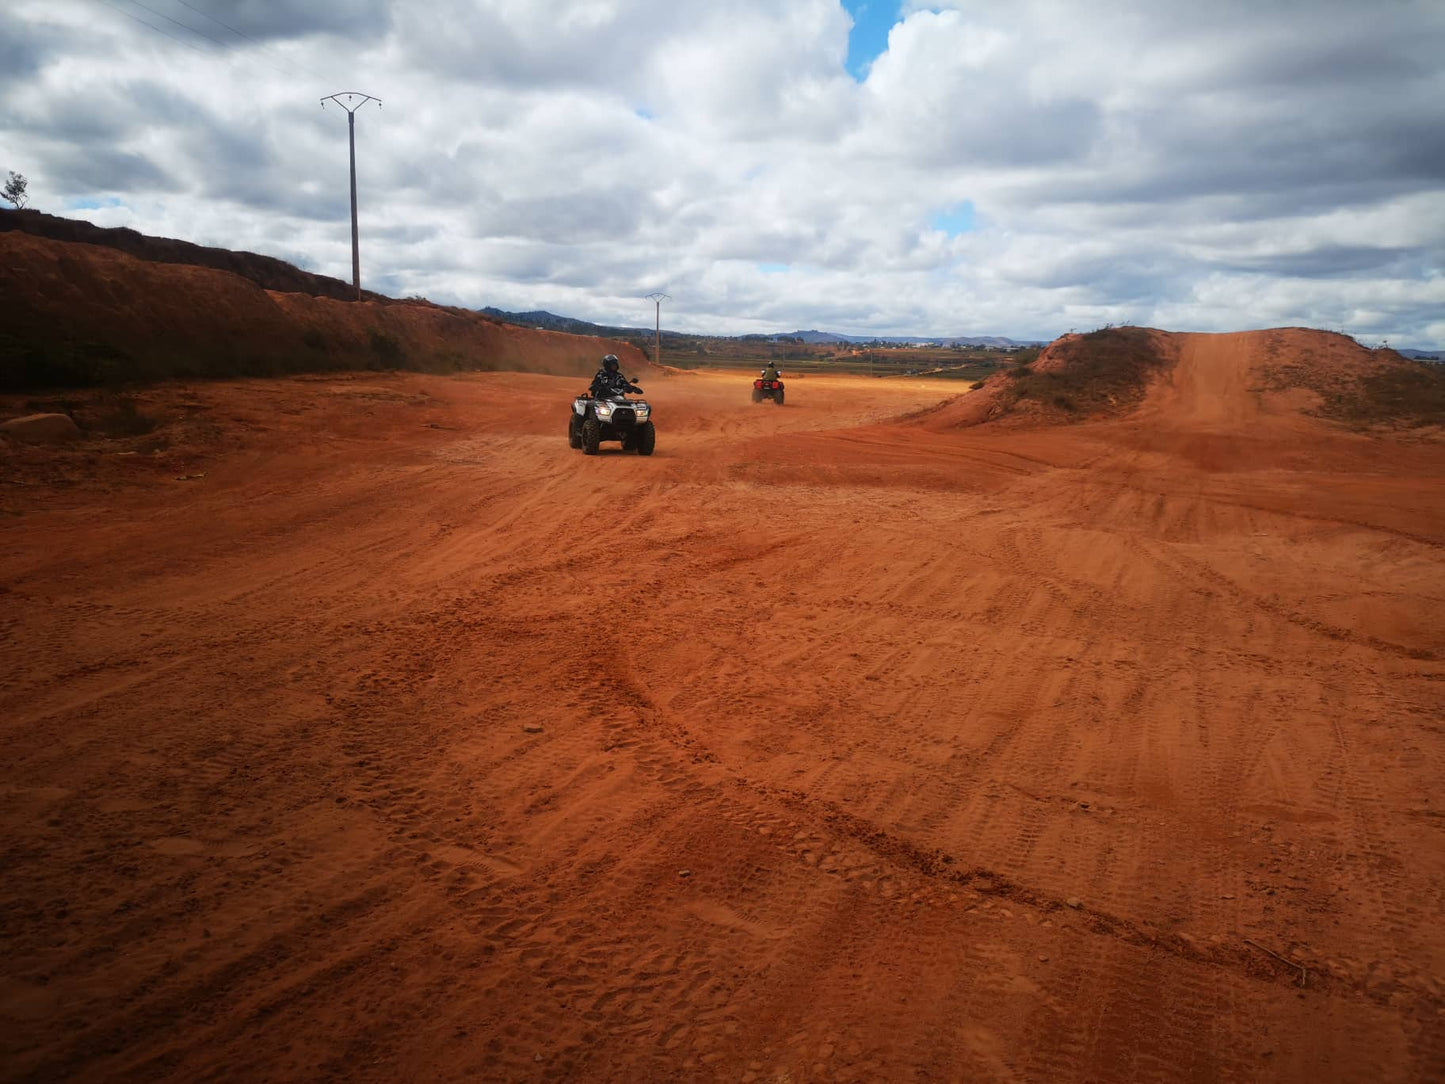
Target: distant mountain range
(915,340)
(549,321)
(552,322)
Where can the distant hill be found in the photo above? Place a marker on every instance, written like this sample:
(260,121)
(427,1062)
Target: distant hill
(816,337)
(912,340)
(552,322)
(1000,341)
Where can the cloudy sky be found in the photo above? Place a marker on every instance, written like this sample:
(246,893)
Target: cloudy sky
(1014,167)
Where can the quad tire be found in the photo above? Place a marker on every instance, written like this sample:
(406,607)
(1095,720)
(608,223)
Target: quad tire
(574,432)
(757,396)
(778,397)
(646,439)
(591,436)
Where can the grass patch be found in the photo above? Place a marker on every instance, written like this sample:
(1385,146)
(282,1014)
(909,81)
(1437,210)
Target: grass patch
(1413,393)
(1101,371)
(1410,394)
(1382,388)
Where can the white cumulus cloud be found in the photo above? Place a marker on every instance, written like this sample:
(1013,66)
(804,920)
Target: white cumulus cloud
(1192,166)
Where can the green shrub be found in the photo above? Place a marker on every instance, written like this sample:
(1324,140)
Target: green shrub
(60,364)
(386,348)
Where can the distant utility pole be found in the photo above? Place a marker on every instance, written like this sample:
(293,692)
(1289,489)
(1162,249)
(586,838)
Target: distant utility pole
(657,299)
(351,105)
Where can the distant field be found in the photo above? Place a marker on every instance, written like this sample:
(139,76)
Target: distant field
(802,359)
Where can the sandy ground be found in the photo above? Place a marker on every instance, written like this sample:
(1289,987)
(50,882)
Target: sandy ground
(405,743)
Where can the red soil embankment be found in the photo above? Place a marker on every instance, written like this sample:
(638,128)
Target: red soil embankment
(265,271)
(79,314)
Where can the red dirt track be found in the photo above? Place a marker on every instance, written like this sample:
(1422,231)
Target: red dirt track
(833,742)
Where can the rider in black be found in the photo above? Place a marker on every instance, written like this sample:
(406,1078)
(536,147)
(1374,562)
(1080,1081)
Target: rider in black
(609,382)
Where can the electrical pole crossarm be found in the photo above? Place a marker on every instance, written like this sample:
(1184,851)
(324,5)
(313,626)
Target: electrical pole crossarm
(350,96)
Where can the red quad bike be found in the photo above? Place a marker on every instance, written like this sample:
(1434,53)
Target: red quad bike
(768,389)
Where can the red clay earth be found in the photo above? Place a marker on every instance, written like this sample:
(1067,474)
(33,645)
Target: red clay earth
(357,728)
(106,313)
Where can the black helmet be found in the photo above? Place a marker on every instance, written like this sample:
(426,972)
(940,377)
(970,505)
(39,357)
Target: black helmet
(610,363)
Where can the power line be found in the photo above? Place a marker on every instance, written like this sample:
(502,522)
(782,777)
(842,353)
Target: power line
(186,26)
(191,45)
(228,26)
(152,26)
(254,41)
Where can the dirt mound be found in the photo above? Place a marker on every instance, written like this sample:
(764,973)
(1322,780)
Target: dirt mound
(1354,384)
(78,314)
(1201,381)
(1100,370)
(265,271)
(1075,377)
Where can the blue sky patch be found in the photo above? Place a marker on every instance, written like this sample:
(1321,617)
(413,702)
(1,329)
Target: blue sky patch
(872,19)
(92,204)
(773,268)
(954,220)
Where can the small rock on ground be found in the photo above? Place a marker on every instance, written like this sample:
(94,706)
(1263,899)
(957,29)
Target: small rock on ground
(41,429)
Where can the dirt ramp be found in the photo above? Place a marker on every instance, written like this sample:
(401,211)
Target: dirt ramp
(78,314)
(1212,384)
(1234,383)
(1289,380)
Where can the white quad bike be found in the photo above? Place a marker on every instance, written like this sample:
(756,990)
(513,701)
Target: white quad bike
(613,417)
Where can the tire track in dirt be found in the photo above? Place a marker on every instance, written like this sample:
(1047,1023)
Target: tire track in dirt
(1185,566)
(718,766)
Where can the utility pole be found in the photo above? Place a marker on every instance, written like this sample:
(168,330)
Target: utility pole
(351,105)
(657,299)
